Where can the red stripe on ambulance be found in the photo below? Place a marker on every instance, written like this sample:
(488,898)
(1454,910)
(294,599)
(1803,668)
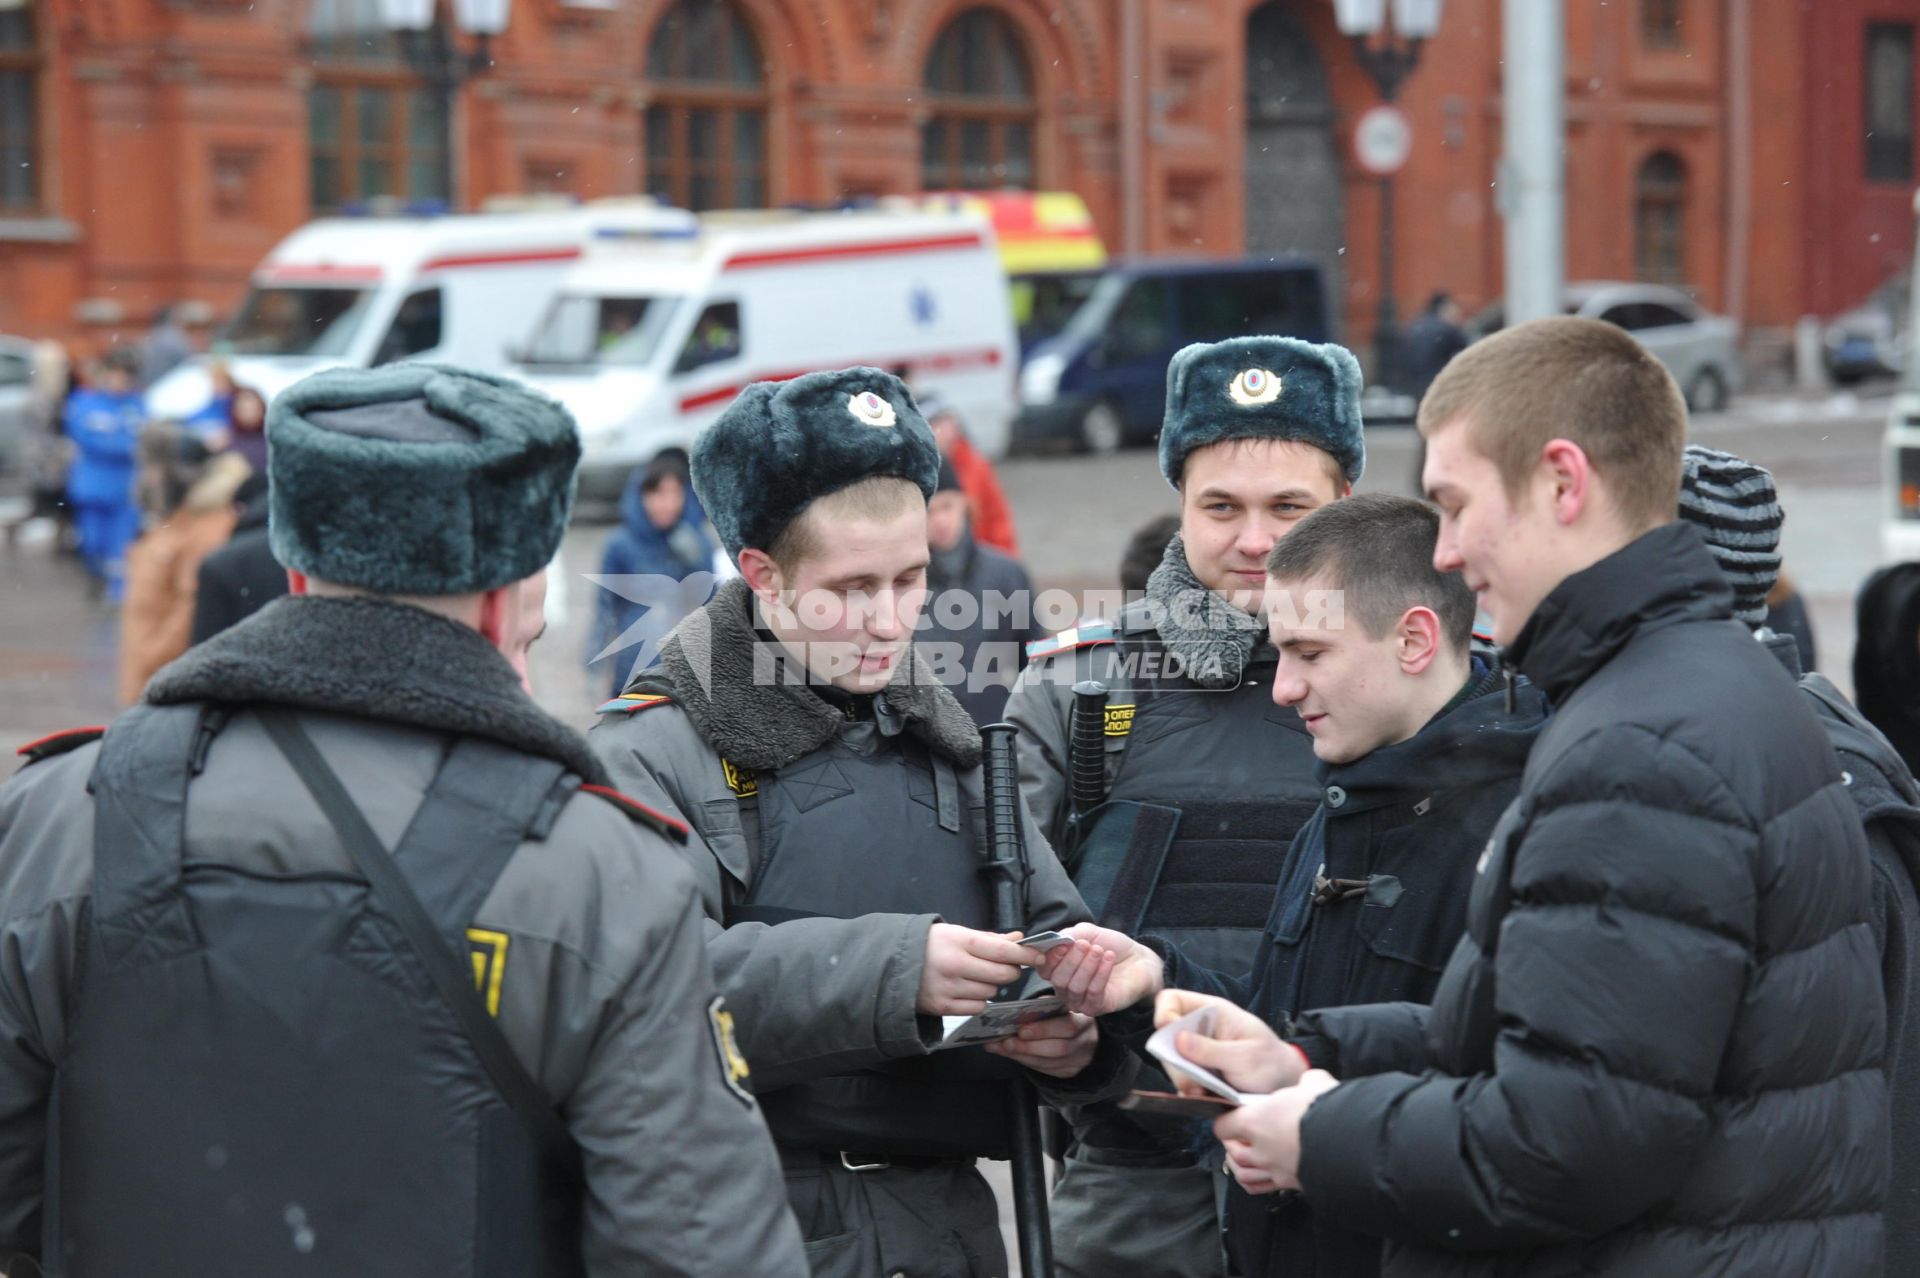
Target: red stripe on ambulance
(943,362)
(832,252)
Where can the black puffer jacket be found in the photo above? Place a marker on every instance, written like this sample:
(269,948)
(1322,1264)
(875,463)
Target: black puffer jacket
(1657,1049)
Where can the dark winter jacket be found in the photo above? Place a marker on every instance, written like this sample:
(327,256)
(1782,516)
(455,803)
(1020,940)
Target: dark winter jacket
(1888,801)
(1886,663)
(240,578)
(638,549)
(1658,1047)
(1371,905)
(1431,341)
(976,638)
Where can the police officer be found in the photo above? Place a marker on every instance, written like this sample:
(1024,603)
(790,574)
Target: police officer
(335,955)
(835,793)
(1204,779)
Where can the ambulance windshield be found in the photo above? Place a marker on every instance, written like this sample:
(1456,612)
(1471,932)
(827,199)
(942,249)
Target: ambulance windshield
(606,332)
(296,321)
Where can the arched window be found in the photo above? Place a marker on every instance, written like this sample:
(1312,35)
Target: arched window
(373,129)
(19,110)
(1660,219)
(980,89)
(707,123)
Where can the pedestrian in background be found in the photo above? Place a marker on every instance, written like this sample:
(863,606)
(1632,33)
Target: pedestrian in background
(1145,550)
(980,607)
(46,452)
(245,434)
(662,537)
(337,952)
(187,497)
(992,514)
(241,577)
(1433,339)
(103,419)
(1886,656)
(166,346)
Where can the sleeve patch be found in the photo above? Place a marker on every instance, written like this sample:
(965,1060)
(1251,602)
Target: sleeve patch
(488,950)
(633,703)
(1080,636)
(744,782)
(733,1062)
(59,743)
(653,818)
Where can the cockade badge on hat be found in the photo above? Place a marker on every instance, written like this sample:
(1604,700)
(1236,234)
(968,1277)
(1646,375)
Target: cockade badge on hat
(1254,386)
(870,409)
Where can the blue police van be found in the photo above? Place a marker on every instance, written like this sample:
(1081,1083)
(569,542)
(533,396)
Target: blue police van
(1101,382)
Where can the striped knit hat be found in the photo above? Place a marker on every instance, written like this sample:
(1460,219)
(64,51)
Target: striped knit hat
(1733,504)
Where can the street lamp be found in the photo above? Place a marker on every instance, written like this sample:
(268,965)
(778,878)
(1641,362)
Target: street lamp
(428,42)
(1388,53)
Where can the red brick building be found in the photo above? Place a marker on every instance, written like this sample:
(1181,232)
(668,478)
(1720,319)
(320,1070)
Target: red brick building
(1760,152)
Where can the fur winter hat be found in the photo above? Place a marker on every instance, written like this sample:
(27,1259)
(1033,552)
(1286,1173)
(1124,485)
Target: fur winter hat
(1263,388)
(782,445)
(418,479)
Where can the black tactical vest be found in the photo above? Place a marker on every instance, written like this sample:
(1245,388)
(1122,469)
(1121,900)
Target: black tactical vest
(874,822)
(1206,790)
(261,1078)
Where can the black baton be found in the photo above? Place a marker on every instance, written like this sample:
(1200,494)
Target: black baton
(1007,866)
(1087,748)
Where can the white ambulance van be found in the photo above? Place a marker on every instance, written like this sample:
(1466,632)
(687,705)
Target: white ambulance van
(649,338)
(363,291)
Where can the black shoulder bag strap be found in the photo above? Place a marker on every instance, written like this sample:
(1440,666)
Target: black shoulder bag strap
(451,978)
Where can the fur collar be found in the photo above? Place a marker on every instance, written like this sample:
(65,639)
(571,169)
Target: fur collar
(377,660)
(1212,638)
(750,703)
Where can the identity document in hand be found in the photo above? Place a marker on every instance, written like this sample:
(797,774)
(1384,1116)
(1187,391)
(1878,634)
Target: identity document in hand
(1165,1047)
(1000,1020)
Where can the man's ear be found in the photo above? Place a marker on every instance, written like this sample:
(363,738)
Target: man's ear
(762,575)
(1418,639)
(1569,479)
(497,613)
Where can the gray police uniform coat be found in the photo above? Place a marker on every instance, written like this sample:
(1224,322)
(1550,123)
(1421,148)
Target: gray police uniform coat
(867,835)
(605,994)
(1207,783)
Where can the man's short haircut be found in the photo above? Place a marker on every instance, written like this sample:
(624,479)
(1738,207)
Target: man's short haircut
(1378,550)
(1575,379)
(874,498)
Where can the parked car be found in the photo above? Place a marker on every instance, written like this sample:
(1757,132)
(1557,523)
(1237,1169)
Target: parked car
(1700,349)
(16,399)
(1102,382)
(1871,339)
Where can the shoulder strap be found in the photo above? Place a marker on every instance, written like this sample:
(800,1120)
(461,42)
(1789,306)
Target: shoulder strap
(139,788)
(451,978)
(476,814)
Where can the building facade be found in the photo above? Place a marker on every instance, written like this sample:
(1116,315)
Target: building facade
(1757,152)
